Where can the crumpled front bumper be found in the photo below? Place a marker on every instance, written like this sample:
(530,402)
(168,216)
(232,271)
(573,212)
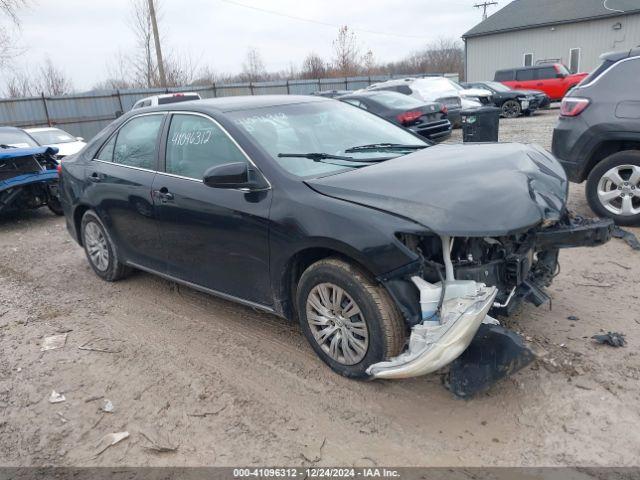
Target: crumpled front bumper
(433,347)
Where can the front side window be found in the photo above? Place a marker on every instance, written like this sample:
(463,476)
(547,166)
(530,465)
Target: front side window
(196,144)
(326,127)
(546,73)
(135,143)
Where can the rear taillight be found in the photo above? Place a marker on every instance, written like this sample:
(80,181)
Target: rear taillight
(444,109)
(408,117)
(59,168)
(573,106)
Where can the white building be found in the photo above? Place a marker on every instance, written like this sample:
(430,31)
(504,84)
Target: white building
(530,32)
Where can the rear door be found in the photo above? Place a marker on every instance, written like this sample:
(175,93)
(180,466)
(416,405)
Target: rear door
(525,79)
(119,184)
(215,238)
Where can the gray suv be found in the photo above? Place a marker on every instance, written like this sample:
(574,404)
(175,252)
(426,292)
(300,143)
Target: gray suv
(597,137)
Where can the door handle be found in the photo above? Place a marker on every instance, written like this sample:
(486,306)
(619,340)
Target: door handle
(164,194)
(95,177)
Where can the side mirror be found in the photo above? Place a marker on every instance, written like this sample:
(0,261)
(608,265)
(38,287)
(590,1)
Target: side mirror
(561,75)
(233,176)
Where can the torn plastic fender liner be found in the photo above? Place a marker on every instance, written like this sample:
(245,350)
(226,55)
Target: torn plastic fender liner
(433,347)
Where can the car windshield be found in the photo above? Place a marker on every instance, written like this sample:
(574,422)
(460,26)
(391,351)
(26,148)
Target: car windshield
(562,69)
(16,138)
(323,127)
(498,87)
(52,137)
(396,100)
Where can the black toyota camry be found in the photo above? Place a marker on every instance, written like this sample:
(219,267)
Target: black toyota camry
(390,252)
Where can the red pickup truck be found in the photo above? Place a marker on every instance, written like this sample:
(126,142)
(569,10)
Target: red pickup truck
(553,79)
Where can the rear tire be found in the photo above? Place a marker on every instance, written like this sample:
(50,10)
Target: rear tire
(55,206)
(364,312)
(100,249)
(613,188)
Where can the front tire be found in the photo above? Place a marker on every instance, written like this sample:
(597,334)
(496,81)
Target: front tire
(349,320)
(100,249)
(511,109)
(613,188)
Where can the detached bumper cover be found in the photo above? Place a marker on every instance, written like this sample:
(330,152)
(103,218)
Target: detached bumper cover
(433,347)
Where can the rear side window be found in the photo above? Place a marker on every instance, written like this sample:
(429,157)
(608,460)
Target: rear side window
(546,73)
(135,143)
(503,75)
(597,72)
(196,144)
(526,75)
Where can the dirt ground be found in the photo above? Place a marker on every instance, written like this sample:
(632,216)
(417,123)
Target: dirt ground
(227,385)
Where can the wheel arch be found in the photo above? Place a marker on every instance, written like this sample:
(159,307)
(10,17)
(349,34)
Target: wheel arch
(303,259)
(78,213)
(608,146)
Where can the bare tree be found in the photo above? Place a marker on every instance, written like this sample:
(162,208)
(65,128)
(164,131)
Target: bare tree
(143,65)
(19,85)
(52,80)
(347,52)
(180,70)
(314,66)
(8,49)
(47,80)
(253,68)
(369,63)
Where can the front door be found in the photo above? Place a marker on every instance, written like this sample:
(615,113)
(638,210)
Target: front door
(120,180)
(215,238)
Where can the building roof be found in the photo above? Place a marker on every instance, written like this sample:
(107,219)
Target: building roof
(522,14)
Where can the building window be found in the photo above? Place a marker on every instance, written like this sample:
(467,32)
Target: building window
(574,60)
(528,59)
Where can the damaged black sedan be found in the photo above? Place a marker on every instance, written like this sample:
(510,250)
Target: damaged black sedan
(390,252)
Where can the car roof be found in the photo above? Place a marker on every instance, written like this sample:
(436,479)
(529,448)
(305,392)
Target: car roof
(245,102)
(619,55)
(545,65)
(41,129)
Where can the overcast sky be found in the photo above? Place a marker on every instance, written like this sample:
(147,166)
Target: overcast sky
(83,36)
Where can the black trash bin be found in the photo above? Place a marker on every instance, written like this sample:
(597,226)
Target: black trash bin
(480,124)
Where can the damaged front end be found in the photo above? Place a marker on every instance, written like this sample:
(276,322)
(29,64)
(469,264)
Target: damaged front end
(482,276)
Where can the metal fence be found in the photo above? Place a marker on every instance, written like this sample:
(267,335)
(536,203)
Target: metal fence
(84,115)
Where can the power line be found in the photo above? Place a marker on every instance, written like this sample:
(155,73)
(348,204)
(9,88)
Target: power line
(319,22)
(484,6)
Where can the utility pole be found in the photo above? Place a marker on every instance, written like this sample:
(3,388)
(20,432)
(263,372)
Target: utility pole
(156,37)
(482,5)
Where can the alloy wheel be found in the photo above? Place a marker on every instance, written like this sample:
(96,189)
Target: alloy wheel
(337,323)
(619,190)
(96,245)
(510,109)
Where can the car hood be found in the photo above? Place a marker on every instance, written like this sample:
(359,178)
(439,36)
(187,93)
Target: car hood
(531,92)
(460,190)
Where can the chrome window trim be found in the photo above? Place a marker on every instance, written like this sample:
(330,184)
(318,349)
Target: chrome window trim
(224,130)
(125,166)
(116,133)
(593,82)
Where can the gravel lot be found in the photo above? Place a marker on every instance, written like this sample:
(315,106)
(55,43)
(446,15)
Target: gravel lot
(227,385)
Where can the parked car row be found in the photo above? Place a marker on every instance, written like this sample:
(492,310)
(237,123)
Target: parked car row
(65,143)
